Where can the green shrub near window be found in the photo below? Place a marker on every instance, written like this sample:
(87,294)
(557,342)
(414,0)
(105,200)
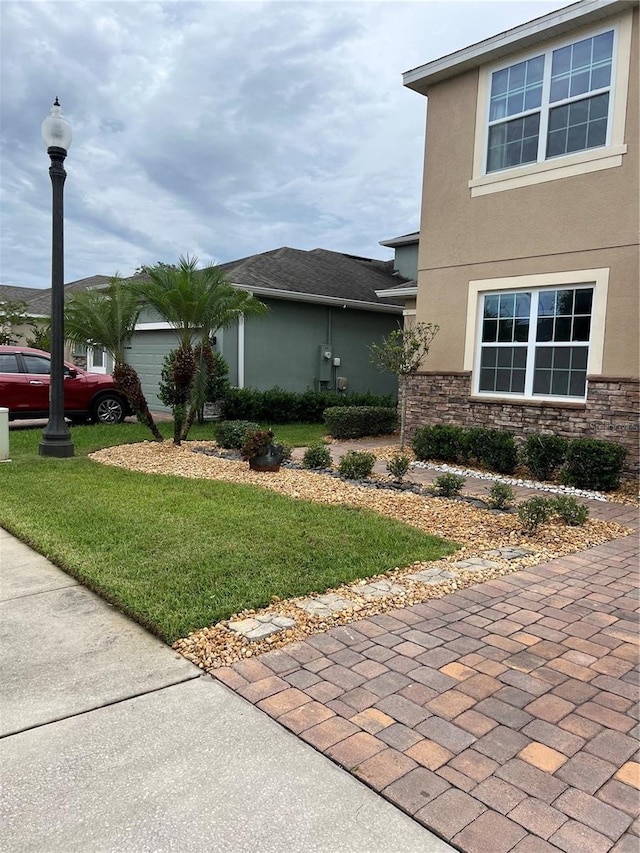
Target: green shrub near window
(441,441)
(593,464)
(494,448)
(544,454)
(356,464)
(358,421)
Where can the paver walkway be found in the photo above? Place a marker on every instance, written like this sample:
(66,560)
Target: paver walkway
(503,717)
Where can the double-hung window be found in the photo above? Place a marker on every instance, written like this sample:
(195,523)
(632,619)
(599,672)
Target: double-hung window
(552,104)
(535,343)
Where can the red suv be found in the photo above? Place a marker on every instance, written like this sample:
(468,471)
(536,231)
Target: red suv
(24,389)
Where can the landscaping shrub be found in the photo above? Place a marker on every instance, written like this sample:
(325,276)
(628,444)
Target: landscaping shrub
(316,456)
(398,465)
(570,511)
(544,454)
(357,421)
(500,452)
(449,485)
(501,496)
(279,406)
(441,441)
(356,464)
(232,434)
(593,464)
(534,512)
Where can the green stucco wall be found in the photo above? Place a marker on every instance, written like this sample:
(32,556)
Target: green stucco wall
(283,349)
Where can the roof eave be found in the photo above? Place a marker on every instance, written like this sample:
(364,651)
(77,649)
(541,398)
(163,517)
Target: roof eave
(318,299)
(533,32)
(397,291)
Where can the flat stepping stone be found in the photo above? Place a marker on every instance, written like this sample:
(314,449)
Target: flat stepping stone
(259,627)
(509,553)
(379,589)
(324,605)
(475,564)
(431,577)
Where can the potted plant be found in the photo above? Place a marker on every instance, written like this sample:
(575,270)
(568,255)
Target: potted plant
(260,450)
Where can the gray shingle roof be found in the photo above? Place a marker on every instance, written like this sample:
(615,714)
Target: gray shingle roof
(317,272)
(39,300)
(12,293)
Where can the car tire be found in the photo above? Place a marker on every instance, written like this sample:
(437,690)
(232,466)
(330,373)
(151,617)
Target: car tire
(108,409)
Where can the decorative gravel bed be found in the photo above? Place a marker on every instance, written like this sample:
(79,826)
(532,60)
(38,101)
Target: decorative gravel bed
(478,531)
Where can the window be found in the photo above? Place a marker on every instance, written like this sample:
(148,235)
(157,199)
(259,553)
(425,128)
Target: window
(9,364)
(37,364)
(552,104)
(536,343)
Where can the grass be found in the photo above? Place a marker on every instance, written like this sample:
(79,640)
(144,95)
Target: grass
(179,554)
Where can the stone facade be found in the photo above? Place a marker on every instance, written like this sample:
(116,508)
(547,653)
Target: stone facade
(611,411)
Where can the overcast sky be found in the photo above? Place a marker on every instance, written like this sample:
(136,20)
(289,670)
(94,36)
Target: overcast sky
(219,129)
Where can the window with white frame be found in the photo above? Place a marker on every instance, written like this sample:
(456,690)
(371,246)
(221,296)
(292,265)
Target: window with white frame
(552,104)
(535,343)
(96,360)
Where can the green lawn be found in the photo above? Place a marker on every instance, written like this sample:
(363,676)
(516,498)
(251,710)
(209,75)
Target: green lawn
(179,554)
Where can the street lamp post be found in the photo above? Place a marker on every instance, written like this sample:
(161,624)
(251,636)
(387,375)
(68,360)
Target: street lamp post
(56,437)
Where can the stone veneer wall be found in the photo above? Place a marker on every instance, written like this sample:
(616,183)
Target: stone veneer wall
(611,411)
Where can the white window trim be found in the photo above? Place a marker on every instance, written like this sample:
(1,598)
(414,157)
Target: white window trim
(91,368)
(577,163)
(599,278)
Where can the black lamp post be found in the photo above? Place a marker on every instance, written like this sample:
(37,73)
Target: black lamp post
(56,437)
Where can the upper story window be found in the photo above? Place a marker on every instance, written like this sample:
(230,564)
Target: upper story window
(552,104)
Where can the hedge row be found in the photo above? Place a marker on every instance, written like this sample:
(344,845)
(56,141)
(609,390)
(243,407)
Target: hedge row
(276,406)
(584,463)
(357,421)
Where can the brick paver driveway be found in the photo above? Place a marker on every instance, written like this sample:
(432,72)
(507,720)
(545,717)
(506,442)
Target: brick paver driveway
(503,717)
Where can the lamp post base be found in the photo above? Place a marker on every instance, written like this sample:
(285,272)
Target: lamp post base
(58,448)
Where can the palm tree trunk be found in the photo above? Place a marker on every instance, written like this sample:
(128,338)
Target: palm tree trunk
(128,382)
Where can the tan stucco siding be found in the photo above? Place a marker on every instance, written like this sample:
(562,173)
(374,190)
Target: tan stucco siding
(585,221)
(444,295)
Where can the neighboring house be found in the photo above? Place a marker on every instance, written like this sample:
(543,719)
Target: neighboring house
(528,253)
(324,315)
(405,263)
(39,309)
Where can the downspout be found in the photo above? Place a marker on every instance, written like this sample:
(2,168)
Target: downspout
(241,351)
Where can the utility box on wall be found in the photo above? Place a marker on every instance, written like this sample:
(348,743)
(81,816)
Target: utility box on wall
(325,363)
(341,383)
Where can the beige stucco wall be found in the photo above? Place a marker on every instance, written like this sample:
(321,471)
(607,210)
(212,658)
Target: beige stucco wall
(581,222)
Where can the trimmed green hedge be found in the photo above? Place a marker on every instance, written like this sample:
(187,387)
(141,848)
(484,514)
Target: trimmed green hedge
(358,421)
(585,463)
(277,406)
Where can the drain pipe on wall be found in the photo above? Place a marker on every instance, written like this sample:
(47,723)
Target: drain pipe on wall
(241,351)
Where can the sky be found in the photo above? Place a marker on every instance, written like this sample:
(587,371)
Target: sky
(219,129)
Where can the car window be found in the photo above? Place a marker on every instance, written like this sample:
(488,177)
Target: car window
(37,363)
(9,363)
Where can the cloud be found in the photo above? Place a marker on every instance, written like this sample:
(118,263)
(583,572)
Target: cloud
(219,129)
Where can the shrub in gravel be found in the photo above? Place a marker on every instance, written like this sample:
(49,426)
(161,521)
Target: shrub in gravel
(449,485)
(534,512)
(593,464)
(544,454)
(232,434)
(570,511)
(501,496)
(398,465)
(316,456)
(356,464)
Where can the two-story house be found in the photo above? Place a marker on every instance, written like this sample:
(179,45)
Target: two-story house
(528,249)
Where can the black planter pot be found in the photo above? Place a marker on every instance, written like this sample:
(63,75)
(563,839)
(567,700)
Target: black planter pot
(269,461)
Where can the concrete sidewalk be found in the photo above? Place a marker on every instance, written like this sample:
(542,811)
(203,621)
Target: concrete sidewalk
(109,741)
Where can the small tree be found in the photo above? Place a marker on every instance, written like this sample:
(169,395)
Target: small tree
(402,353)
(12,314)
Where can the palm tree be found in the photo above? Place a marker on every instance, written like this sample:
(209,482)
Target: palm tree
(107,318)
(195,303)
